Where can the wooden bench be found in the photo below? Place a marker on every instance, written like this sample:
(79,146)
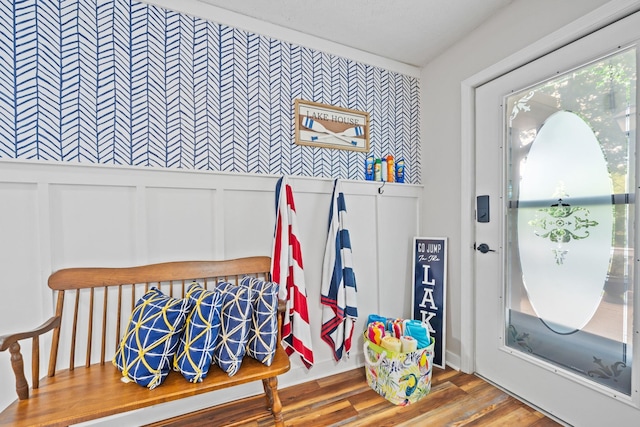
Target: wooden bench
(92,310)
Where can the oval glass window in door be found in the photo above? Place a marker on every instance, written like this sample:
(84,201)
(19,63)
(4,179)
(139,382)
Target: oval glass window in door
(565,222)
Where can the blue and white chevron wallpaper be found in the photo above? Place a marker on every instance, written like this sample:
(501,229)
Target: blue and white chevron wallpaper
(127,83)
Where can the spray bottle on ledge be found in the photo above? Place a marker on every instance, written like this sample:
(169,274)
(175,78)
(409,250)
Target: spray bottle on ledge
(391,170)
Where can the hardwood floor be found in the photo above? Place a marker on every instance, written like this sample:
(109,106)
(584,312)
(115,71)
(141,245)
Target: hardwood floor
(456,399)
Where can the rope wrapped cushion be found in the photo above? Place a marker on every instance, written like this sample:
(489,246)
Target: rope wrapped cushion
(198,341)
(263,331)
(146,351)
(234,326)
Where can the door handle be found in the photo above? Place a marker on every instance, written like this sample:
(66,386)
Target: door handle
(484,248)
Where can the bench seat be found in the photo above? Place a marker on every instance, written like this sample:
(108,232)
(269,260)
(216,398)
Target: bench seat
(85,394)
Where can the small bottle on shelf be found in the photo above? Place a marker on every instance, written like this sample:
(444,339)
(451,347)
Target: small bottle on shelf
(391,170)
(385,170)
(400,170)
(377,170)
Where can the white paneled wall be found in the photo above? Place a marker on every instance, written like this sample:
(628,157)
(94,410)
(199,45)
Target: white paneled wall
(56,215)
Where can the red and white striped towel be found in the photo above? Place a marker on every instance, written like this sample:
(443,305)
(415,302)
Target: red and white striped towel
(287,270)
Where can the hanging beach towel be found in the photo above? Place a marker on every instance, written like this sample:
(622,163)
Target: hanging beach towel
(339,311)
(287,270)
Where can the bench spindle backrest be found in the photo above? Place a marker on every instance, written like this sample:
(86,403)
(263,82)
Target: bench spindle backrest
(95,303)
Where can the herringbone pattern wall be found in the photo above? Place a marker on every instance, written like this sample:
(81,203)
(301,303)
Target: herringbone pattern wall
(127,83)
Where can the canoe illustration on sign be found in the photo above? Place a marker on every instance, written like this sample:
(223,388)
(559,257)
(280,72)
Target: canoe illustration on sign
(565,222)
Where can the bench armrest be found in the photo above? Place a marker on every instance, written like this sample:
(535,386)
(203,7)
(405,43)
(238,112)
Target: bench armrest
(10,342)
(7,340)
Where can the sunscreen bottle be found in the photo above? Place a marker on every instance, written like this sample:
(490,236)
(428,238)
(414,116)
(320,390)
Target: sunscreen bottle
(400,170)
(368,168)
(385,170)
(377,170)
(391,170)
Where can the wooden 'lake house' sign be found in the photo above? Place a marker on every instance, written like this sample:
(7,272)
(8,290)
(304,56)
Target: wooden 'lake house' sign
(323,125)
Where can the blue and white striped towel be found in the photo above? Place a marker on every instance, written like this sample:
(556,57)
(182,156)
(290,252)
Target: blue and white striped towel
(339,311)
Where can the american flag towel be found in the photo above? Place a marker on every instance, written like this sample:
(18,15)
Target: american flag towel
(287,270)
(339,311)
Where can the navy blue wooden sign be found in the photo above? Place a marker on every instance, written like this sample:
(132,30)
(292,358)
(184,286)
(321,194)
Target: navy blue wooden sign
(428,297)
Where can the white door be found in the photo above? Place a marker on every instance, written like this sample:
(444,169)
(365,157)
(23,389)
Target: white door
(554,267)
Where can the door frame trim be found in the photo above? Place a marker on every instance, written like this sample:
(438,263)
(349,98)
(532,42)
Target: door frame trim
(589,23)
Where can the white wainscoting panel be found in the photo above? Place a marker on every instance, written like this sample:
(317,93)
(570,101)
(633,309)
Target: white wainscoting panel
(180,223)
(395,248)
(92,225)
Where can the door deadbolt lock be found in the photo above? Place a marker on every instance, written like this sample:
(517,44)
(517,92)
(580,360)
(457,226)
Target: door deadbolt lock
(484,248)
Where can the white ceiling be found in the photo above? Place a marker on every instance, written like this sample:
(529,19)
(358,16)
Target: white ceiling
(408,31)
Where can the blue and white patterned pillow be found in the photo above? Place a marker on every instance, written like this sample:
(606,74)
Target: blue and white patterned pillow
(151,338)
(263,334)
(198,340)
(235,318)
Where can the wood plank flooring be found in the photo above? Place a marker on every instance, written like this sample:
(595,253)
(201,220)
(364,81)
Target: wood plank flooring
(345,399)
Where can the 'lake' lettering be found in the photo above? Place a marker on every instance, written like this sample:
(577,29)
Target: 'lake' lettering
(426,319)
(427,297)
(320,116)
(425,277)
